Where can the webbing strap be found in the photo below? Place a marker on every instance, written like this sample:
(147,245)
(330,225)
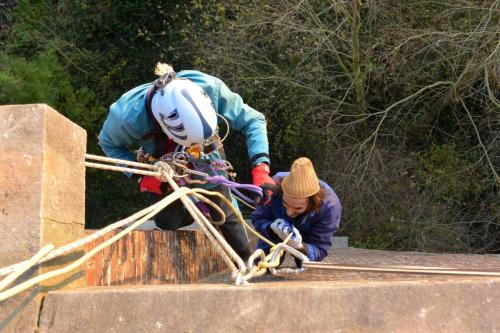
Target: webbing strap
(149,97)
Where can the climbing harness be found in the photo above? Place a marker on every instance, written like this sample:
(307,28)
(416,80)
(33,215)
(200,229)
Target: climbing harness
(186,166)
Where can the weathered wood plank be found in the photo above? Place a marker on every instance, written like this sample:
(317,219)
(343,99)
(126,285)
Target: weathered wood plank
(152,258)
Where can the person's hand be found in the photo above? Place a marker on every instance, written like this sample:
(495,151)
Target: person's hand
(261,177)
(267,191)
(150,184)
(265,197)
(143,157)
(282,229)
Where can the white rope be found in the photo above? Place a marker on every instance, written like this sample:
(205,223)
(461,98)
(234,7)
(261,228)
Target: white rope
(70,247)
(212,234)
(31,282)
(118,161)
(400,269)
(164,172)
(180,193)
(31,262)
(122,169)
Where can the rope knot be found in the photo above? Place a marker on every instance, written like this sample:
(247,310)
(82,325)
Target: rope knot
(165,172)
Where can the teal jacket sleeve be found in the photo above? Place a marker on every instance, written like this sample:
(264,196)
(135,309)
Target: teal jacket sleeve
(241,117)
(126,125)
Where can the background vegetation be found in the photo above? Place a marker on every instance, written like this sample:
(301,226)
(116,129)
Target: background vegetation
(396,102)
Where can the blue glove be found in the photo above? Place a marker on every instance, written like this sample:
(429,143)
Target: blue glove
(282,229)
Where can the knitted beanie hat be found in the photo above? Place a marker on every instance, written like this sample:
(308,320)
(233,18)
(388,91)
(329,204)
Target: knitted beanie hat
(302,181)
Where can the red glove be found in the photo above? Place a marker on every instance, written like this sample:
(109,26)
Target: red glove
(150,184)
(260,174)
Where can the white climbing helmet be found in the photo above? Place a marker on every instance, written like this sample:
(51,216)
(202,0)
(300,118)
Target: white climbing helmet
(184,112)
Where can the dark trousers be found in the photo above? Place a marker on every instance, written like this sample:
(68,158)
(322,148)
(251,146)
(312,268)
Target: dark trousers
(176,216)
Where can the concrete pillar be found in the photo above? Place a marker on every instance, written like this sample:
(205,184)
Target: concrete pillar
(42,200)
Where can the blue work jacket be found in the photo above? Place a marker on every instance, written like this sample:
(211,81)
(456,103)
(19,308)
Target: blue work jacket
(128,122)
(316,228)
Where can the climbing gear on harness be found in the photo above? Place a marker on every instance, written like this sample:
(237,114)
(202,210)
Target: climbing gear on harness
(235,187)
(197,166)
(187,172)
(302,181)
(195,151)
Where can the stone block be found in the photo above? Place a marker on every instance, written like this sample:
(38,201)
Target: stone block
(425,306)
(42,199)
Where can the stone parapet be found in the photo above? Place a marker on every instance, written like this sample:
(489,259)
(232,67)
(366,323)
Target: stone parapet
(424,306)
(314,301)
(42,199)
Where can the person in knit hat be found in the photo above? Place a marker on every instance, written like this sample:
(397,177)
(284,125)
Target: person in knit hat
(303,206)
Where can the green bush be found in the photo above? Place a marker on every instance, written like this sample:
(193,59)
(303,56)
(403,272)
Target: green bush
(450,176)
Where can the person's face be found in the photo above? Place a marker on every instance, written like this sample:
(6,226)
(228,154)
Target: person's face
(295,206)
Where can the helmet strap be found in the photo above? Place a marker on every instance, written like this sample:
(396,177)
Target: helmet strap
(158,84)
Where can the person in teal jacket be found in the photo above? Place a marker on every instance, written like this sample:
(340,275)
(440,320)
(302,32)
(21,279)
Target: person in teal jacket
(180,109)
